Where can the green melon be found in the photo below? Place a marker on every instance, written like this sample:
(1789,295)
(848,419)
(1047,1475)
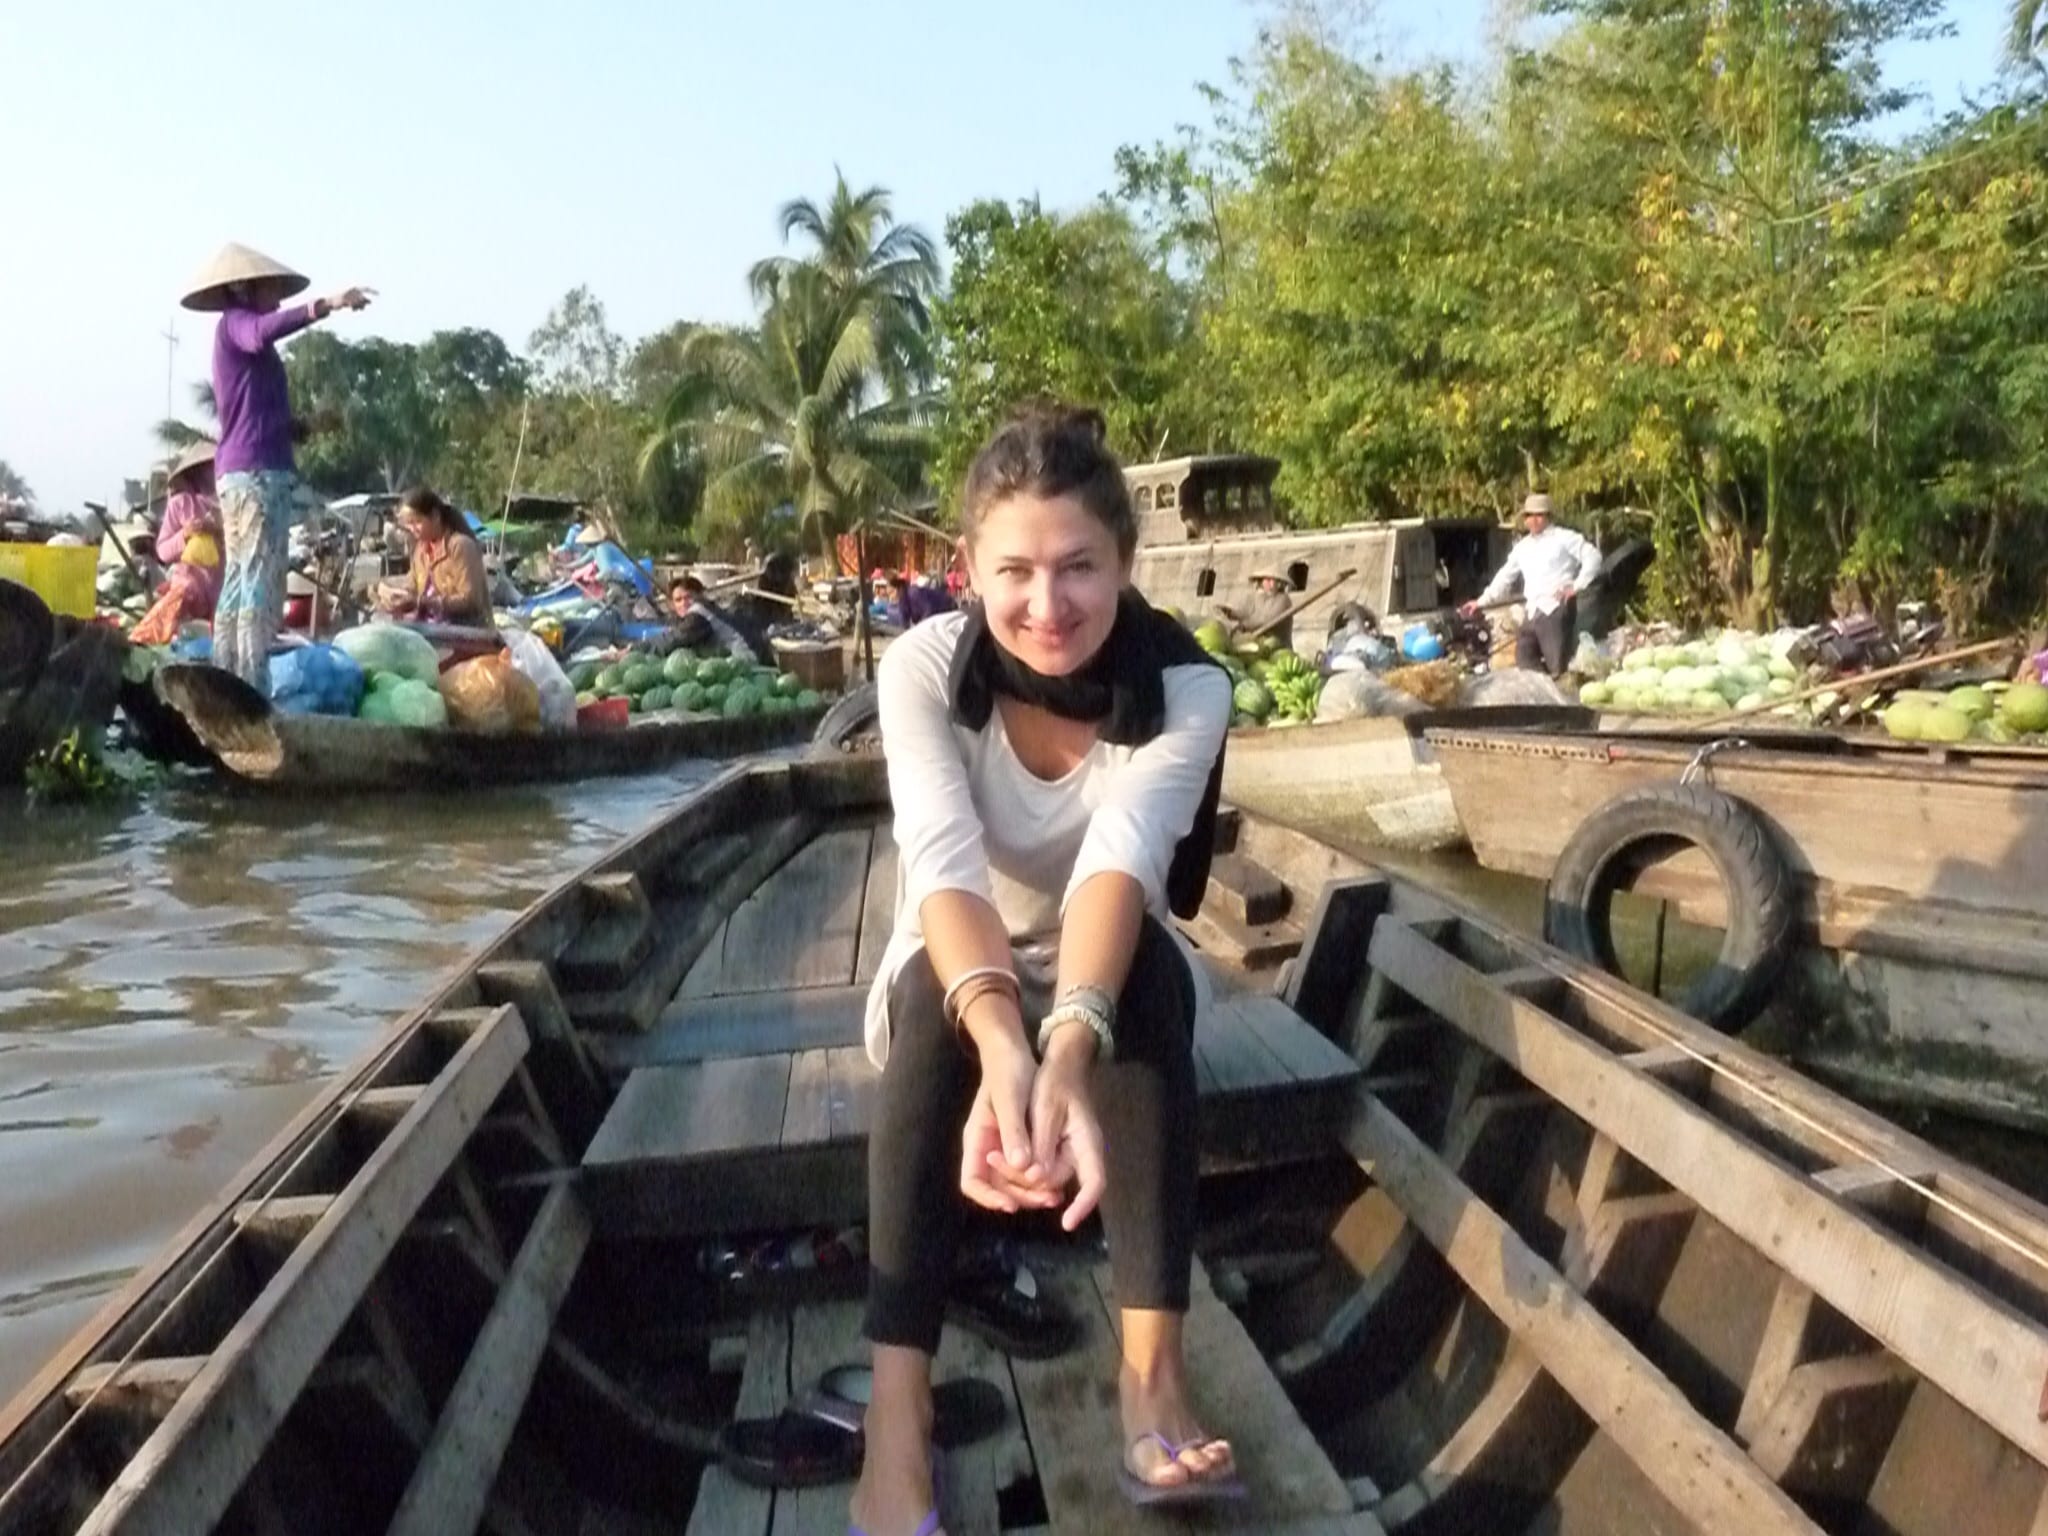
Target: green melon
(679,668)
(2024,707)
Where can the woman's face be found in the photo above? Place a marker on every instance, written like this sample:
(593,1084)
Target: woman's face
(1049,576)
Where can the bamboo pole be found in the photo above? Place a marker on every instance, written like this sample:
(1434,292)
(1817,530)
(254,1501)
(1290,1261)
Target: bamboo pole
(1861,680)
(1320,592)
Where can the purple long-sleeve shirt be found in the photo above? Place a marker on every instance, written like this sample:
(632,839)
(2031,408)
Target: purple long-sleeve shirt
(249,388)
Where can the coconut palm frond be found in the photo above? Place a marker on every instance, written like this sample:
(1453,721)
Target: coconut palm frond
(2024,31)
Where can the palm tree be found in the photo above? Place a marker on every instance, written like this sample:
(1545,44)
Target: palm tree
(794,412)
(2024,31)
(867,256)
(174,435)
(825,405)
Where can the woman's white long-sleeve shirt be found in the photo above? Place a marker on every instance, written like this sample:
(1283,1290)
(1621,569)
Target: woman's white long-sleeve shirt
(969,816)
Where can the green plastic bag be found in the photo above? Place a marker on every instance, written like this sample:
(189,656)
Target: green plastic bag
(381,647)
(418,705)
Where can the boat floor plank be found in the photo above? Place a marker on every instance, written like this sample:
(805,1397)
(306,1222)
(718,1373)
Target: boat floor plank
(820,1337)
(802,927)
(878,907)
(696,1028)
(725,1505)
(1076,1430)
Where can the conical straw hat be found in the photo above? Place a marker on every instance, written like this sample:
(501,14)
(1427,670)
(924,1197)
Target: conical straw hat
(238,264)
(198,453)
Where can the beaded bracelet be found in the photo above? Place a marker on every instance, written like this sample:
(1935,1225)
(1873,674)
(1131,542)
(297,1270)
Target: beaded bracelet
(1077,1009)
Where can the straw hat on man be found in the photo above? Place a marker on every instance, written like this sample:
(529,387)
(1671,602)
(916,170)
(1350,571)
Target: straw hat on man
(253,462)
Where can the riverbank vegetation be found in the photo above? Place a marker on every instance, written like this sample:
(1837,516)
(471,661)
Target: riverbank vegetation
(1674,260)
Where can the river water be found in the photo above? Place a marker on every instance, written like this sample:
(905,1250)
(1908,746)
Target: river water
(178,976)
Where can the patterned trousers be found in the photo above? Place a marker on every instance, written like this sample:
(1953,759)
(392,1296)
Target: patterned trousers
(256,516)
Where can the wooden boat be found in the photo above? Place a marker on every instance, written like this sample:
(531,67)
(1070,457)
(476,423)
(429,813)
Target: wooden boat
(1917,880)
(57,675)
(1490,1243)
(1372,780)
(256,745)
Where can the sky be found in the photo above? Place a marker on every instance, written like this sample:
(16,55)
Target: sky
(473,160)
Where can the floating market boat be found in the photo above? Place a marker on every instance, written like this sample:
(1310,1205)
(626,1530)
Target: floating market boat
(57,675)
(1374,779)
(1490,1243)
(1888,901)
(257,745)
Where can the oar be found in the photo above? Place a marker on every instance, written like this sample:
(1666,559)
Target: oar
(99,510)
(1860,680)
(1320,592)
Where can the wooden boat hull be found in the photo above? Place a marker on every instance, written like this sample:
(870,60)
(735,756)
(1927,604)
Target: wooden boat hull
(74,689)
(1372,781)
(296,754)
(1923,880)
(1520,1249)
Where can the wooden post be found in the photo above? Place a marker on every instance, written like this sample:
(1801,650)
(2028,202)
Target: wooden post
(860,609)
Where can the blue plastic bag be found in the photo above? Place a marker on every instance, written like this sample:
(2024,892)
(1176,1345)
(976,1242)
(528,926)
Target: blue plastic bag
(316,680)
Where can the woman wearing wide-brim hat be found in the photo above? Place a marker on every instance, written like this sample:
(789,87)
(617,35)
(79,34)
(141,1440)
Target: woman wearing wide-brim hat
(253,461)
(188,543)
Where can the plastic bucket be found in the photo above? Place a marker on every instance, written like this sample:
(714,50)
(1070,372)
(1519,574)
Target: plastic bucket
(62,575)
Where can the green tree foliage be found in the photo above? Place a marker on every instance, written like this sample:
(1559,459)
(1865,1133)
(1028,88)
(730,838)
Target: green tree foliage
(1664,264)
(816,407)
(13,487)
(1076,307)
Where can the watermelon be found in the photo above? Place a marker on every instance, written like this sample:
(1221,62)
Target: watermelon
(788,684)
(656,698)
(583,676)
(738,703)
(641,676)
(810,698)
(717,669)
(1212,637)
(680,667)
(610,681)
(1251,698)
(689,696)
(714,696)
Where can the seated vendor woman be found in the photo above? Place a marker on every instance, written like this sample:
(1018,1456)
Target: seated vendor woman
(447,583)
(1053,763)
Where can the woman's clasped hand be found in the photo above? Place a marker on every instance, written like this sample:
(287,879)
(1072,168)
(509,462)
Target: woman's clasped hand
(1032,1133)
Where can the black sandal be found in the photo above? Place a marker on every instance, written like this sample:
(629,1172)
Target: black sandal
(794,1449)
(964,1410)
(1012,1313)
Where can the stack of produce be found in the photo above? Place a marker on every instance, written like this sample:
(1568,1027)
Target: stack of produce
(689,683)
(1269,685)
(401,672)
(1703,677)
(2015,714)
(1435,683)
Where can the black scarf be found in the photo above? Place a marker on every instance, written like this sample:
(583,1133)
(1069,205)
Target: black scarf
(1122,687)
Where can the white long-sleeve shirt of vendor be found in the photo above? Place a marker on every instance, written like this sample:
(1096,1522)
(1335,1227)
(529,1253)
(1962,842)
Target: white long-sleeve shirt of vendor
(1547,563)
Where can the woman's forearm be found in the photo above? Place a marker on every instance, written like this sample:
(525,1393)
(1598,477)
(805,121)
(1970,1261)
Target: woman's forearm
(963,933)
(1099,934)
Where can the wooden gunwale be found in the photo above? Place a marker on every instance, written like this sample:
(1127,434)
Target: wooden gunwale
(539,931)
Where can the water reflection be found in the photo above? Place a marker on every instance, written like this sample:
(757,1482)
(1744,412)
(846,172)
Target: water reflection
(177,978)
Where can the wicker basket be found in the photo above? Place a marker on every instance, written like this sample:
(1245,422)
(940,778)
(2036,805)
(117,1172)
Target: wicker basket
(819,664)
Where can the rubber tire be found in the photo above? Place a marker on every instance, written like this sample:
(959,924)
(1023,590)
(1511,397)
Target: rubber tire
(1635,828)
(853,712)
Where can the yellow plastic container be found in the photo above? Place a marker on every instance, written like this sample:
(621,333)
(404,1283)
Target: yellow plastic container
(62,575)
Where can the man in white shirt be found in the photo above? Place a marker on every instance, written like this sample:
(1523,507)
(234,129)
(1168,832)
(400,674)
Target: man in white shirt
(1553,565)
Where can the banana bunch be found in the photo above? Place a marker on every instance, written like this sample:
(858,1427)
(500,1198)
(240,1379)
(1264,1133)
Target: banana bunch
(1295,694)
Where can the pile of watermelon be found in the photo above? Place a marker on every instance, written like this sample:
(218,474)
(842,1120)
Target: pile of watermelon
(1270,685)
(686,682)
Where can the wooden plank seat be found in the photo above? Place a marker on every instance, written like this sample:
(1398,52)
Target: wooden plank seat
(779,1139)
(1062,1431)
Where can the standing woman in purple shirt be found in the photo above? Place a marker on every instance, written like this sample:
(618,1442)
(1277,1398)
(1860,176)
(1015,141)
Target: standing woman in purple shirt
(253,463)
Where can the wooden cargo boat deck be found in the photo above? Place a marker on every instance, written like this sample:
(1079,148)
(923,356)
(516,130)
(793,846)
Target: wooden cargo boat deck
(1558,1261)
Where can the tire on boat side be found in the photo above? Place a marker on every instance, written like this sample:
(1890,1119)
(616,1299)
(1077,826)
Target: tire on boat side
(1638,828)
(854,713)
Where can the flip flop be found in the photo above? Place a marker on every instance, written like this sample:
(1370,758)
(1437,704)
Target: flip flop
(794,1449)
(1194,1490)
(1012,1313)
(964,1410)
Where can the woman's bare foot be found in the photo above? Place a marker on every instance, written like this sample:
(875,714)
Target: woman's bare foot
(1157,1415)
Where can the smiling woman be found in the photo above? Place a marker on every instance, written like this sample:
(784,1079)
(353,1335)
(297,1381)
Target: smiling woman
(1054,759)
